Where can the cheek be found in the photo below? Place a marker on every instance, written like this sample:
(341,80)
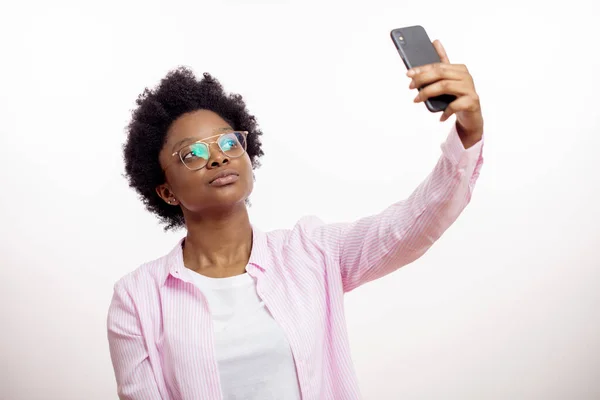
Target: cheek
(246,160)
(185,181)
(248,170)
(250,182)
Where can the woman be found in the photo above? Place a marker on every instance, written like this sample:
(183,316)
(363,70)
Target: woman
(235,313)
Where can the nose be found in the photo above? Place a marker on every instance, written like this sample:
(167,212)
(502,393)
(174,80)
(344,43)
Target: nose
(217,158)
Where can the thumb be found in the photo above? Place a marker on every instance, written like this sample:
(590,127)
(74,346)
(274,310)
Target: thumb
(441,52)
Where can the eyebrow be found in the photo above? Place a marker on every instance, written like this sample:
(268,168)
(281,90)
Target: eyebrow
(195,139)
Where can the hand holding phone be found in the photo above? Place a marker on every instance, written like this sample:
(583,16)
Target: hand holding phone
(442,86)
(416,50)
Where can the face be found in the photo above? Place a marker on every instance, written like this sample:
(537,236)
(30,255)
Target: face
(223,183)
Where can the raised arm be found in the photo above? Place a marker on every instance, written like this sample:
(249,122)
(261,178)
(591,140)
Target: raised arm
(377,245)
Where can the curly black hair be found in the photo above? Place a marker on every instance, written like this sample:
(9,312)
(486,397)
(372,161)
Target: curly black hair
(179,92)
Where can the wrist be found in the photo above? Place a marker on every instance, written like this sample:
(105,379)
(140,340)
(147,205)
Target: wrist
(468,137)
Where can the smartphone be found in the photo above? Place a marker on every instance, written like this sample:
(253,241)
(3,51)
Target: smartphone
(416,49)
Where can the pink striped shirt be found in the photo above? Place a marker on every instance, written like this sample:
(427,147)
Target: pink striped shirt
(159,327)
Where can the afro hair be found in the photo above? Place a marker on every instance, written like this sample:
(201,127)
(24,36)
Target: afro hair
(178,93)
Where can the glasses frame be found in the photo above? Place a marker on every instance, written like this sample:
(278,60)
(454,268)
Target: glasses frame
(208,145)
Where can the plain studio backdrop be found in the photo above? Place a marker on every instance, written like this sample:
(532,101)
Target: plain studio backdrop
(504,306)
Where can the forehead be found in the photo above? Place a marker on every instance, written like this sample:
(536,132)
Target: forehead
(195,125)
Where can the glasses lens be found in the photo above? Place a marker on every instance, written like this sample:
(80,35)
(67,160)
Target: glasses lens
(233,144)
(195,155)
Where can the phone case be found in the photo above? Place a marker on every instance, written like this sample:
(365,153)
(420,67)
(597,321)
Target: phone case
(416,49)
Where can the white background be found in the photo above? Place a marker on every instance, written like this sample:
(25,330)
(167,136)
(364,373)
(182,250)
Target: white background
(504,306)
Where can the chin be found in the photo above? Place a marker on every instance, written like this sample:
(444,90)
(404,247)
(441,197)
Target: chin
(227,196)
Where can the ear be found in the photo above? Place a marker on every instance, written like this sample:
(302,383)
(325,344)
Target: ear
(164,192)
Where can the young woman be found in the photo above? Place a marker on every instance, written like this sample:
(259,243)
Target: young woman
(235,313)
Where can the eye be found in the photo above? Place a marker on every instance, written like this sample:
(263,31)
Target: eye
(197,150)
(228,142)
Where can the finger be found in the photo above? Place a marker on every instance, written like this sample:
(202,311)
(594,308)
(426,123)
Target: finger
(441,51)
(465,103)
(448,112)
(436,73)
(456,88)
(437,66)
(426,67)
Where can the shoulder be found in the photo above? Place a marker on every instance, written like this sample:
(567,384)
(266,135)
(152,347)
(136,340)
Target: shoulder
(302,229)
(149,274)
(309,238)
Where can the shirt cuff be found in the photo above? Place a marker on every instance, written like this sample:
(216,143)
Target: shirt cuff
(454,150)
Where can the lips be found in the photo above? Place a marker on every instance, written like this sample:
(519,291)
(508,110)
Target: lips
(224,178)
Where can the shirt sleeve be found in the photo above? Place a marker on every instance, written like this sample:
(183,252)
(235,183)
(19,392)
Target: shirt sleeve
(374,246)
(133,371)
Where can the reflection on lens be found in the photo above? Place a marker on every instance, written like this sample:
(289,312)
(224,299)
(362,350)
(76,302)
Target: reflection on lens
(199,150)
(233,144)
(196,155)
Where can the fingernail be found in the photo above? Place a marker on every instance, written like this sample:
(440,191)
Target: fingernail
(412,85)
(416,100)
(410,72)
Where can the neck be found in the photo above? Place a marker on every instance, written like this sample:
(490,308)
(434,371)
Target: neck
(219,245)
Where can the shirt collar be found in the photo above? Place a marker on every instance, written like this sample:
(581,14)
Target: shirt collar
(259,256)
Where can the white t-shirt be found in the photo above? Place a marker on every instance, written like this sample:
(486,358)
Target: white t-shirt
(254,357)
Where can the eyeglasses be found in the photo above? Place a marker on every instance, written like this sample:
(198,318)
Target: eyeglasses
(195,156)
